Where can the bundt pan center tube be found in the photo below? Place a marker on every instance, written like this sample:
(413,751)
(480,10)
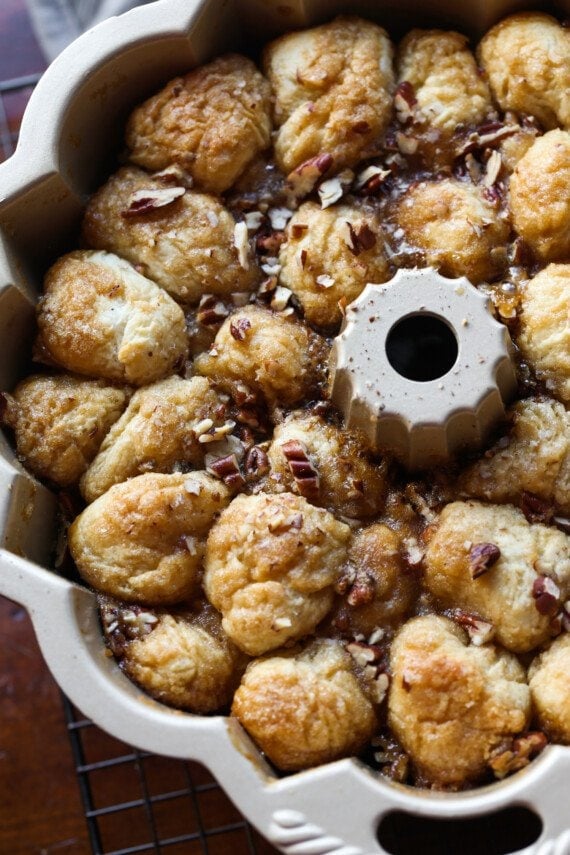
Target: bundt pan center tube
(71,127)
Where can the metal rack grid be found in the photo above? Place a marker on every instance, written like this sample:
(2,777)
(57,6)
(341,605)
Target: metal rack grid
(136,802)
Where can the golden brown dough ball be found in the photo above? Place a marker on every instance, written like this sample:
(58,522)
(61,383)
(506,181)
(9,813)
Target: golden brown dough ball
(539,198)
(305,707)
(455,227)
(60,421)
(181,658)
(270,565)
(341,476)
(380,588)
(533,457)
(447,85)
(329,255)
(544,333)
(489,561)
(159,430)
(549,680)
(98,316)
(451,704)
(212,122)
(143,540)
(275,356)
(526,58)
(185,245)
(332,86)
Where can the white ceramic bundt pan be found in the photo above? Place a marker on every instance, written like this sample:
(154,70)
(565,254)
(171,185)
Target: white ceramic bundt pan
(73,123)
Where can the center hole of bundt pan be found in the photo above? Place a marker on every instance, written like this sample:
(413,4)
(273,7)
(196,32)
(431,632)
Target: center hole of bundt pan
(422,347)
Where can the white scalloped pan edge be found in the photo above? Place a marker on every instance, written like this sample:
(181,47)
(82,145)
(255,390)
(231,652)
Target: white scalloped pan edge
(70,126)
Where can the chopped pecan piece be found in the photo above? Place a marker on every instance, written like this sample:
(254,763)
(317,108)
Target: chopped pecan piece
(362,590)
(546,595)
(227,470)
(360,238)
(482,556)
(305,475)
(302,179)
(240,328)
(256,462)
(404,101)
(143,201)
(479,630)
(517,754)
(211,311)
(535,509)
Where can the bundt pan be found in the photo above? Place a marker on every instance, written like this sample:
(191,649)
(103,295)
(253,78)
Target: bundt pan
(71,128)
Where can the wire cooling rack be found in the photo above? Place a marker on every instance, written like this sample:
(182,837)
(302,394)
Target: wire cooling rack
(140,802)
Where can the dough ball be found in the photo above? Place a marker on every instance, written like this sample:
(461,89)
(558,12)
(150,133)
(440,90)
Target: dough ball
(378,588)
(544,336)
(159,431)
(539,197)
(187,245)
(451,704)
(330,255)
(549,680)
(98,316)
(275,356)
(341,477)
(305,707)
(447,85)
(212,122)
(332,88)
(59,422)
(521,558)
(532,457)
(182,658)
(526,58)
(143,540)
(271,562)
(455,228)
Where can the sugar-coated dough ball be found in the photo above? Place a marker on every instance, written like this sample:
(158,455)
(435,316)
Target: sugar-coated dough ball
(98,316)
(532,457)
(526,58)
(539,197)
(305,707)
(157,432)
(447,85)
(186,245)
(332,87)
(275,356)
(181,658)
(347,482)
(455,227)
(549,680)
(544,335)
(212,122)
(451,704)
(270,565)
(59,422)
(505,594)
(330,255)
(380,589)
(143,540)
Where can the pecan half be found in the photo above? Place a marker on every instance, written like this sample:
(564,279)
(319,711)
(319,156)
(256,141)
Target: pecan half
(482,556)
(306,476)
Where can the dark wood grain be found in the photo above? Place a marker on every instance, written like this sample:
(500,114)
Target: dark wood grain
(40,810)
